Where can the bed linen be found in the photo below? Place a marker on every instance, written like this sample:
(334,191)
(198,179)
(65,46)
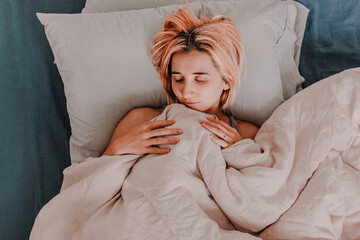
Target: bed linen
(298,179)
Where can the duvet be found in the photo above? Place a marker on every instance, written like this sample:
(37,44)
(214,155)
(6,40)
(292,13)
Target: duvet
(299,179)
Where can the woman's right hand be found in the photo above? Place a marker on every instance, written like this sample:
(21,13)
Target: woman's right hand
(144,138)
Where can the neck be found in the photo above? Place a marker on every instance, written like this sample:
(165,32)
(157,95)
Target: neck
(217,112)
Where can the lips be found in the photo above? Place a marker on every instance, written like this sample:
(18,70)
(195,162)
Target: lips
(190,103)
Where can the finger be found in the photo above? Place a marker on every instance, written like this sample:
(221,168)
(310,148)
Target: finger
(164,132)
(219,141)
(157,150)
(159,124)
(215,129)
(162,141)
(222,123)
(216,125)
(230,131)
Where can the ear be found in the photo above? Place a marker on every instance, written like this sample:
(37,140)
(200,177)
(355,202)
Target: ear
(226,86)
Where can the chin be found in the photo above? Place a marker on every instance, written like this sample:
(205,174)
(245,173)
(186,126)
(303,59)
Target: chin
(193,107)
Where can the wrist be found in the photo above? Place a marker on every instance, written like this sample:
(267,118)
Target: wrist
(107,152)
(111,151)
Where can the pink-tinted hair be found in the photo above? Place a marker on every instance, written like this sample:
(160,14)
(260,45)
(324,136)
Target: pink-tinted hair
(183,32)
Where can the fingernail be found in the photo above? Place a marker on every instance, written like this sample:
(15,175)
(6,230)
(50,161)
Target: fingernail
(179,131)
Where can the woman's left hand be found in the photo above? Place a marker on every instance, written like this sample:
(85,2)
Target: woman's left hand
(223,134)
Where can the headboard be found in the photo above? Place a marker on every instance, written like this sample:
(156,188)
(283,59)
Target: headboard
(35,127)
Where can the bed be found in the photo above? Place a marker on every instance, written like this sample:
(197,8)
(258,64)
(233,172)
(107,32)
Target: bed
(36,121)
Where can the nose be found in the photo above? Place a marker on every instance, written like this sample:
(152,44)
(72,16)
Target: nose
(187,90)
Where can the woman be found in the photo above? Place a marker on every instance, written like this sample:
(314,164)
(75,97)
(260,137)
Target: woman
(199,61)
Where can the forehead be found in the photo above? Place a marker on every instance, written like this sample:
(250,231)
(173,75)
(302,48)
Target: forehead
(193,60)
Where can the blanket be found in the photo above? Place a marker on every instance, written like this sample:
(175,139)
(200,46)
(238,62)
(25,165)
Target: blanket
(298,179)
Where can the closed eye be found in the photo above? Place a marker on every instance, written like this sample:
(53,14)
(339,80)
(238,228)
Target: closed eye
(200,80)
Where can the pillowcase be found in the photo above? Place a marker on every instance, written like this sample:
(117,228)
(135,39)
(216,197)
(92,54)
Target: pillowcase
(100,6)
(104,62)
(289,54)
(288,48)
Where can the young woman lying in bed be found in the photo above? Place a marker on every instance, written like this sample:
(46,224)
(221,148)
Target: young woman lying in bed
(199,62)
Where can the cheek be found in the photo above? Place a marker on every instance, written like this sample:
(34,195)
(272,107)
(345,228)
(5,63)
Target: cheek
(175,90)
(216,90)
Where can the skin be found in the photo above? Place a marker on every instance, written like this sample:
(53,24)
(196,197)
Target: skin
(197,84)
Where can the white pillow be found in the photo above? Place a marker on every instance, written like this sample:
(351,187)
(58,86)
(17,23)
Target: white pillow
(289,55)
(99,6)
(104,62)
(263,92)
(289,46)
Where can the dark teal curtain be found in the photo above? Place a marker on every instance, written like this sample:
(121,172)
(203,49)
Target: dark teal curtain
(34,125)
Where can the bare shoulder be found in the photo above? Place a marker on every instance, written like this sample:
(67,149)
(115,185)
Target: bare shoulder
(134,118)
(247,129)
(144,113)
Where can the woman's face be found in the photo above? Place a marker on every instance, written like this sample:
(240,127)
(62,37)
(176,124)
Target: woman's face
(196,82)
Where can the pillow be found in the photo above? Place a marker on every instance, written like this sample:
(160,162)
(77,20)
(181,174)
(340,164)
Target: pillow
(289,54)
(289,46)
(99,6)
(104,62)
(260,29)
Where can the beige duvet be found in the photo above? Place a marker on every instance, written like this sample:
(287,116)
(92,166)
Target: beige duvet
(299,179)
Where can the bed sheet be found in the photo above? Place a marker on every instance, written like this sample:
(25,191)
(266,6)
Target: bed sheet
(299,179)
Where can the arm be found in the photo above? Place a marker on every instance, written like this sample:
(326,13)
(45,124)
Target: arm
(136,134)
(248,130)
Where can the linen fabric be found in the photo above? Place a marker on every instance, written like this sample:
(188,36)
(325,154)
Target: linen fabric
(302,167)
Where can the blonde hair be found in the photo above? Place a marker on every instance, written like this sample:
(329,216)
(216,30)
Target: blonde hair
(183,32)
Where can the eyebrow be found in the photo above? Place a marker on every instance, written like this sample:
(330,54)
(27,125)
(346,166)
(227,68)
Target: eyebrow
(194,73)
